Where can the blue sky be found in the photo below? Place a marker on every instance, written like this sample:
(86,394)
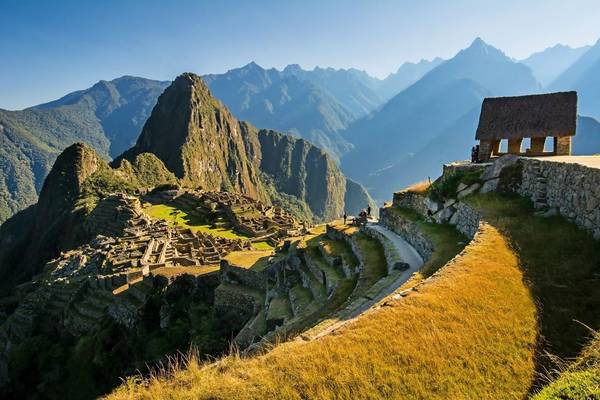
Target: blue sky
(51,47)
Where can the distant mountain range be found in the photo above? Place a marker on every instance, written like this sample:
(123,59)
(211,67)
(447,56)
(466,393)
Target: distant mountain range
(548,64)
(584,77)
(433,121)
(383,131)
(108,116)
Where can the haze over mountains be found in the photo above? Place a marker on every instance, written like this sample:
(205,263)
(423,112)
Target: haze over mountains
(386,133)
(548,64)
(434,120)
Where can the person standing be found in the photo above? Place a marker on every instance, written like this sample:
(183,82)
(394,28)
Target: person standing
(345,216)
(368,211)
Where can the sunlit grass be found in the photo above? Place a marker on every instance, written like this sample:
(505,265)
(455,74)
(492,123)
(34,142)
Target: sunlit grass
(469,333)
(176,216)
(256,260)
(170,272)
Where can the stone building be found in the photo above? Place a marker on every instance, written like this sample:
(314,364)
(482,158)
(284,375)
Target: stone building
(536,117)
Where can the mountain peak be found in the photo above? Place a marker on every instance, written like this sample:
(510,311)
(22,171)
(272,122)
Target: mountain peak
(293,68)
(479,45)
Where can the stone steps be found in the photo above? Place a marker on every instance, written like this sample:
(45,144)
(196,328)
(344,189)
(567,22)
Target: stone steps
(300,298)
(279,309)
(309,281)
(319,267)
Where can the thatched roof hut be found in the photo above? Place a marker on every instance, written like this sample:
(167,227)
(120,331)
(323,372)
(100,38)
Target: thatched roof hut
(535,116)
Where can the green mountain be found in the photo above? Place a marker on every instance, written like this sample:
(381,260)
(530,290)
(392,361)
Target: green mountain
(200,141)
(422,112)
(108,116)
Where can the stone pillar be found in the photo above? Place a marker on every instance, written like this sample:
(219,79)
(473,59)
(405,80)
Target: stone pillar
(495,147)
(537,144)
(562,145)
(485,150)
(514,146)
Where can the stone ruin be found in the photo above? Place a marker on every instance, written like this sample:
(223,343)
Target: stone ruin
(245,214)
(535,116)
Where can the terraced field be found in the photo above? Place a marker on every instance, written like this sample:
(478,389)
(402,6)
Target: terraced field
(179,216)
(491,310)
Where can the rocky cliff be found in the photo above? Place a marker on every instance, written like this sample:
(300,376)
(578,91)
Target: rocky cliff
(71,191)
(303,170)
(198,139)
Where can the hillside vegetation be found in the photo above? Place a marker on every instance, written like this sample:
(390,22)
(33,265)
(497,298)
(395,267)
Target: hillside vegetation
(108,117)
(481,327)
(482,316)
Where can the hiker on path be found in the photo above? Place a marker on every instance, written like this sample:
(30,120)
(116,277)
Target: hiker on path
(369,211)
(345,216)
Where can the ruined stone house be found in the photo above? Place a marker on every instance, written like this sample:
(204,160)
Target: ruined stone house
(536,117)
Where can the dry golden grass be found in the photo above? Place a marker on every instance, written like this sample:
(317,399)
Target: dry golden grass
(170,272)
(419,187)
(249,259)
(469,332)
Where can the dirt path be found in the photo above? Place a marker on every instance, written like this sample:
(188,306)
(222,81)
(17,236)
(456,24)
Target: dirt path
(408,255)
(587,161)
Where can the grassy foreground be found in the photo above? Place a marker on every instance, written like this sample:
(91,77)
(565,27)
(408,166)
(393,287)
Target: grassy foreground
(468,332)
(561,264)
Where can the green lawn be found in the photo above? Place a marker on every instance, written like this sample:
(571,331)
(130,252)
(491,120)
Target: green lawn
(262,246)
(176,216)
(280,307)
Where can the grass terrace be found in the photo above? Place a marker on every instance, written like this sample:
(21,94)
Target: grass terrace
(447,241)
(471,332)
(256,260)
(526,286)
(176,216)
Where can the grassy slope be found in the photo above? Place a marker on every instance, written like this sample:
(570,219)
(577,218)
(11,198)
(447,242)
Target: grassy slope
(176,216)
(471,331)
(581,380)
(478,329)
(561,265)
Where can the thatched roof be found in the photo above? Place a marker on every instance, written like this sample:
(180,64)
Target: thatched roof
(552,114)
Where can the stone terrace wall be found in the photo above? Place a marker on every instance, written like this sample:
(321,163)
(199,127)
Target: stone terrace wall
(392,258)
(573,190)
(407,199)
(409,230)
(466,220)
(244,276)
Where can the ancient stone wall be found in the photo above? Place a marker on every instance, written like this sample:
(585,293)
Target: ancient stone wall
(573,190)
(232,299)
(411,200)
(392,257)
(466,219)
(231,274)
(409,230)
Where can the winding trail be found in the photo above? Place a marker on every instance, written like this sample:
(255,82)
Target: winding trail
(408,254)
